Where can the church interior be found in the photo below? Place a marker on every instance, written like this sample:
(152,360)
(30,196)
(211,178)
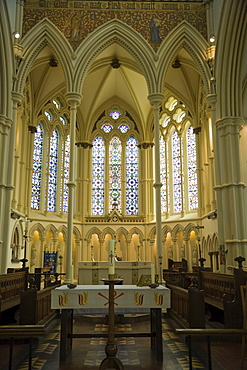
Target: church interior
(123,123)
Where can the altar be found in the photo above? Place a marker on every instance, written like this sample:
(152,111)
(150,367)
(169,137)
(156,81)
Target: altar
(91,272)
(97,296)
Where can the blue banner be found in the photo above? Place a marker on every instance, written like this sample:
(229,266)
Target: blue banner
(50,260)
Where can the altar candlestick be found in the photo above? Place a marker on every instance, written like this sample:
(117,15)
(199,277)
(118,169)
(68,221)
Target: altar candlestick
(152,274)
(111,257)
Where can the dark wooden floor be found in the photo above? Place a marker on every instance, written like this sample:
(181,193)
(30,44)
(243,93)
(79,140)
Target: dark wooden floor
(134,353)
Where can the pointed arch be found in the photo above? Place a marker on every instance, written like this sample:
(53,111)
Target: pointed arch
(108,230)
(190,227)
(121,230)
(184,35)
(136,230)
(6,60)
(229,60)
(94,230)
(176,230)
(52,229)
(38,227)
(115,31)
(45,33)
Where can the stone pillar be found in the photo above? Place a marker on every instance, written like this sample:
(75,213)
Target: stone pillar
(73,99)
(155,101)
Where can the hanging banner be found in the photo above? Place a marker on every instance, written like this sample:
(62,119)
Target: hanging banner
(50,260)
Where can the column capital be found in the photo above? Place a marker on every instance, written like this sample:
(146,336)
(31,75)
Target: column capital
(73,98)
(84,144)
(17,97)
(156,98)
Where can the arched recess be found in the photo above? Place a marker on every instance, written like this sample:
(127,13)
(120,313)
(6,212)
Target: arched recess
(7,60)
(43,34)
(116,31)
(184,36)
(229,60)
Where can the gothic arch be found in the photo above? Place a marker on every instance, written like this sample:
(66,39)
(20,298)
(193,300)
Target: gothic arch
(137,231)
(229,61)
(6,55)
(108,230)
(38,227)
(115,31)
(92,231)
(165,230)
(176,230)
(184,36)
(76,233)
(52,229)
(43,34)
(63,229)
(123,231)
(187,230)
(152,234)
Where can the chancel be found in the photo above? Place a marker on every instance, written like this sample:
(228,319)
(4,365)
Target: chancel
(123,143)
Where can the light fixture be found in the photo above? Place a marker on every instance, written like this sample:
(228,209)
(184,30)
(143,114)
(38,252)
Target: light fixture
(176,64)
(212,38)
(16,34)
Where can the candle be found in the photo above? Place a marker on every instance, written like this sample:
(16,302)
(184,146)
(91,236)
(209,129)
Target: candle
(152,274)
(111,257)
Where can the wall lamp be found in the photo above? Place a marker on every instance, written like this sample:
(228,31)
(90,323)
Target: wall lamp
(212,38)
(16,34)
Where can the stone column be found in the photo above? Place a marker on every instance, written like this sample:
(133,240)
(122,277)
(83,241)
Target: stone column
(155,101)
(73,99)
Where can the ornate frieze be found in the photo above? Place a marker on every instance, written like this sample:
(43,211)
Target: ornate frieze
(152,19)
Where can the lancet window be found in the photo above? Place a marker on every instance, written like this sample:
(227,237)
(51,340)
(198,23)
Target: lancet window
(179,192)
(115,166)
(51,152)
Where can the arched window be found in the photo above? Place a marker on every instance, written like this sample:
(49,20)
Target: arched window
(37,167)
(65,178)
(98,176)
(176,170)
(179,192)
(192,175)
(131,176)
(51,159)
(52,170)
(115,164)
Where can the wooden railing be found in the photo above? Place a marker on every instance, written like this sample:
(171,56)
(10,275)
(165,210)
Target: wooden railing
(11,286)
(215,286)
(187,305)
(35,306)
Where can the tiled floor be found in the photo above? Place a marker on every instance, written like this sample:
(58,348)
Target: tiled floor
(133,352)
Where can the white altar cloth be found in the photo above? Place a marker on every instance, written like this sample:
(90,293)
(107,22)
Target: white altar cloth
(96,296)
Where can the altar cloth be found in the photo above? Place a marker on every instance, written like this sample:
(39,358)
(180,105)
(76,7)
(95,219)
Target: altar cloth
(97,296)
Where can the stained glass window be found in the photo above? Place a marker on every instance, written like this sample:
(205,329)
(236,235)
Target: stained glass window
(98,176)
(115,153)
(37,168)
(65,178)
(176,166)
(163,174)
(131,177)
(123,128)
(115,114)
(53,168)
(107,127)
(192,175)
